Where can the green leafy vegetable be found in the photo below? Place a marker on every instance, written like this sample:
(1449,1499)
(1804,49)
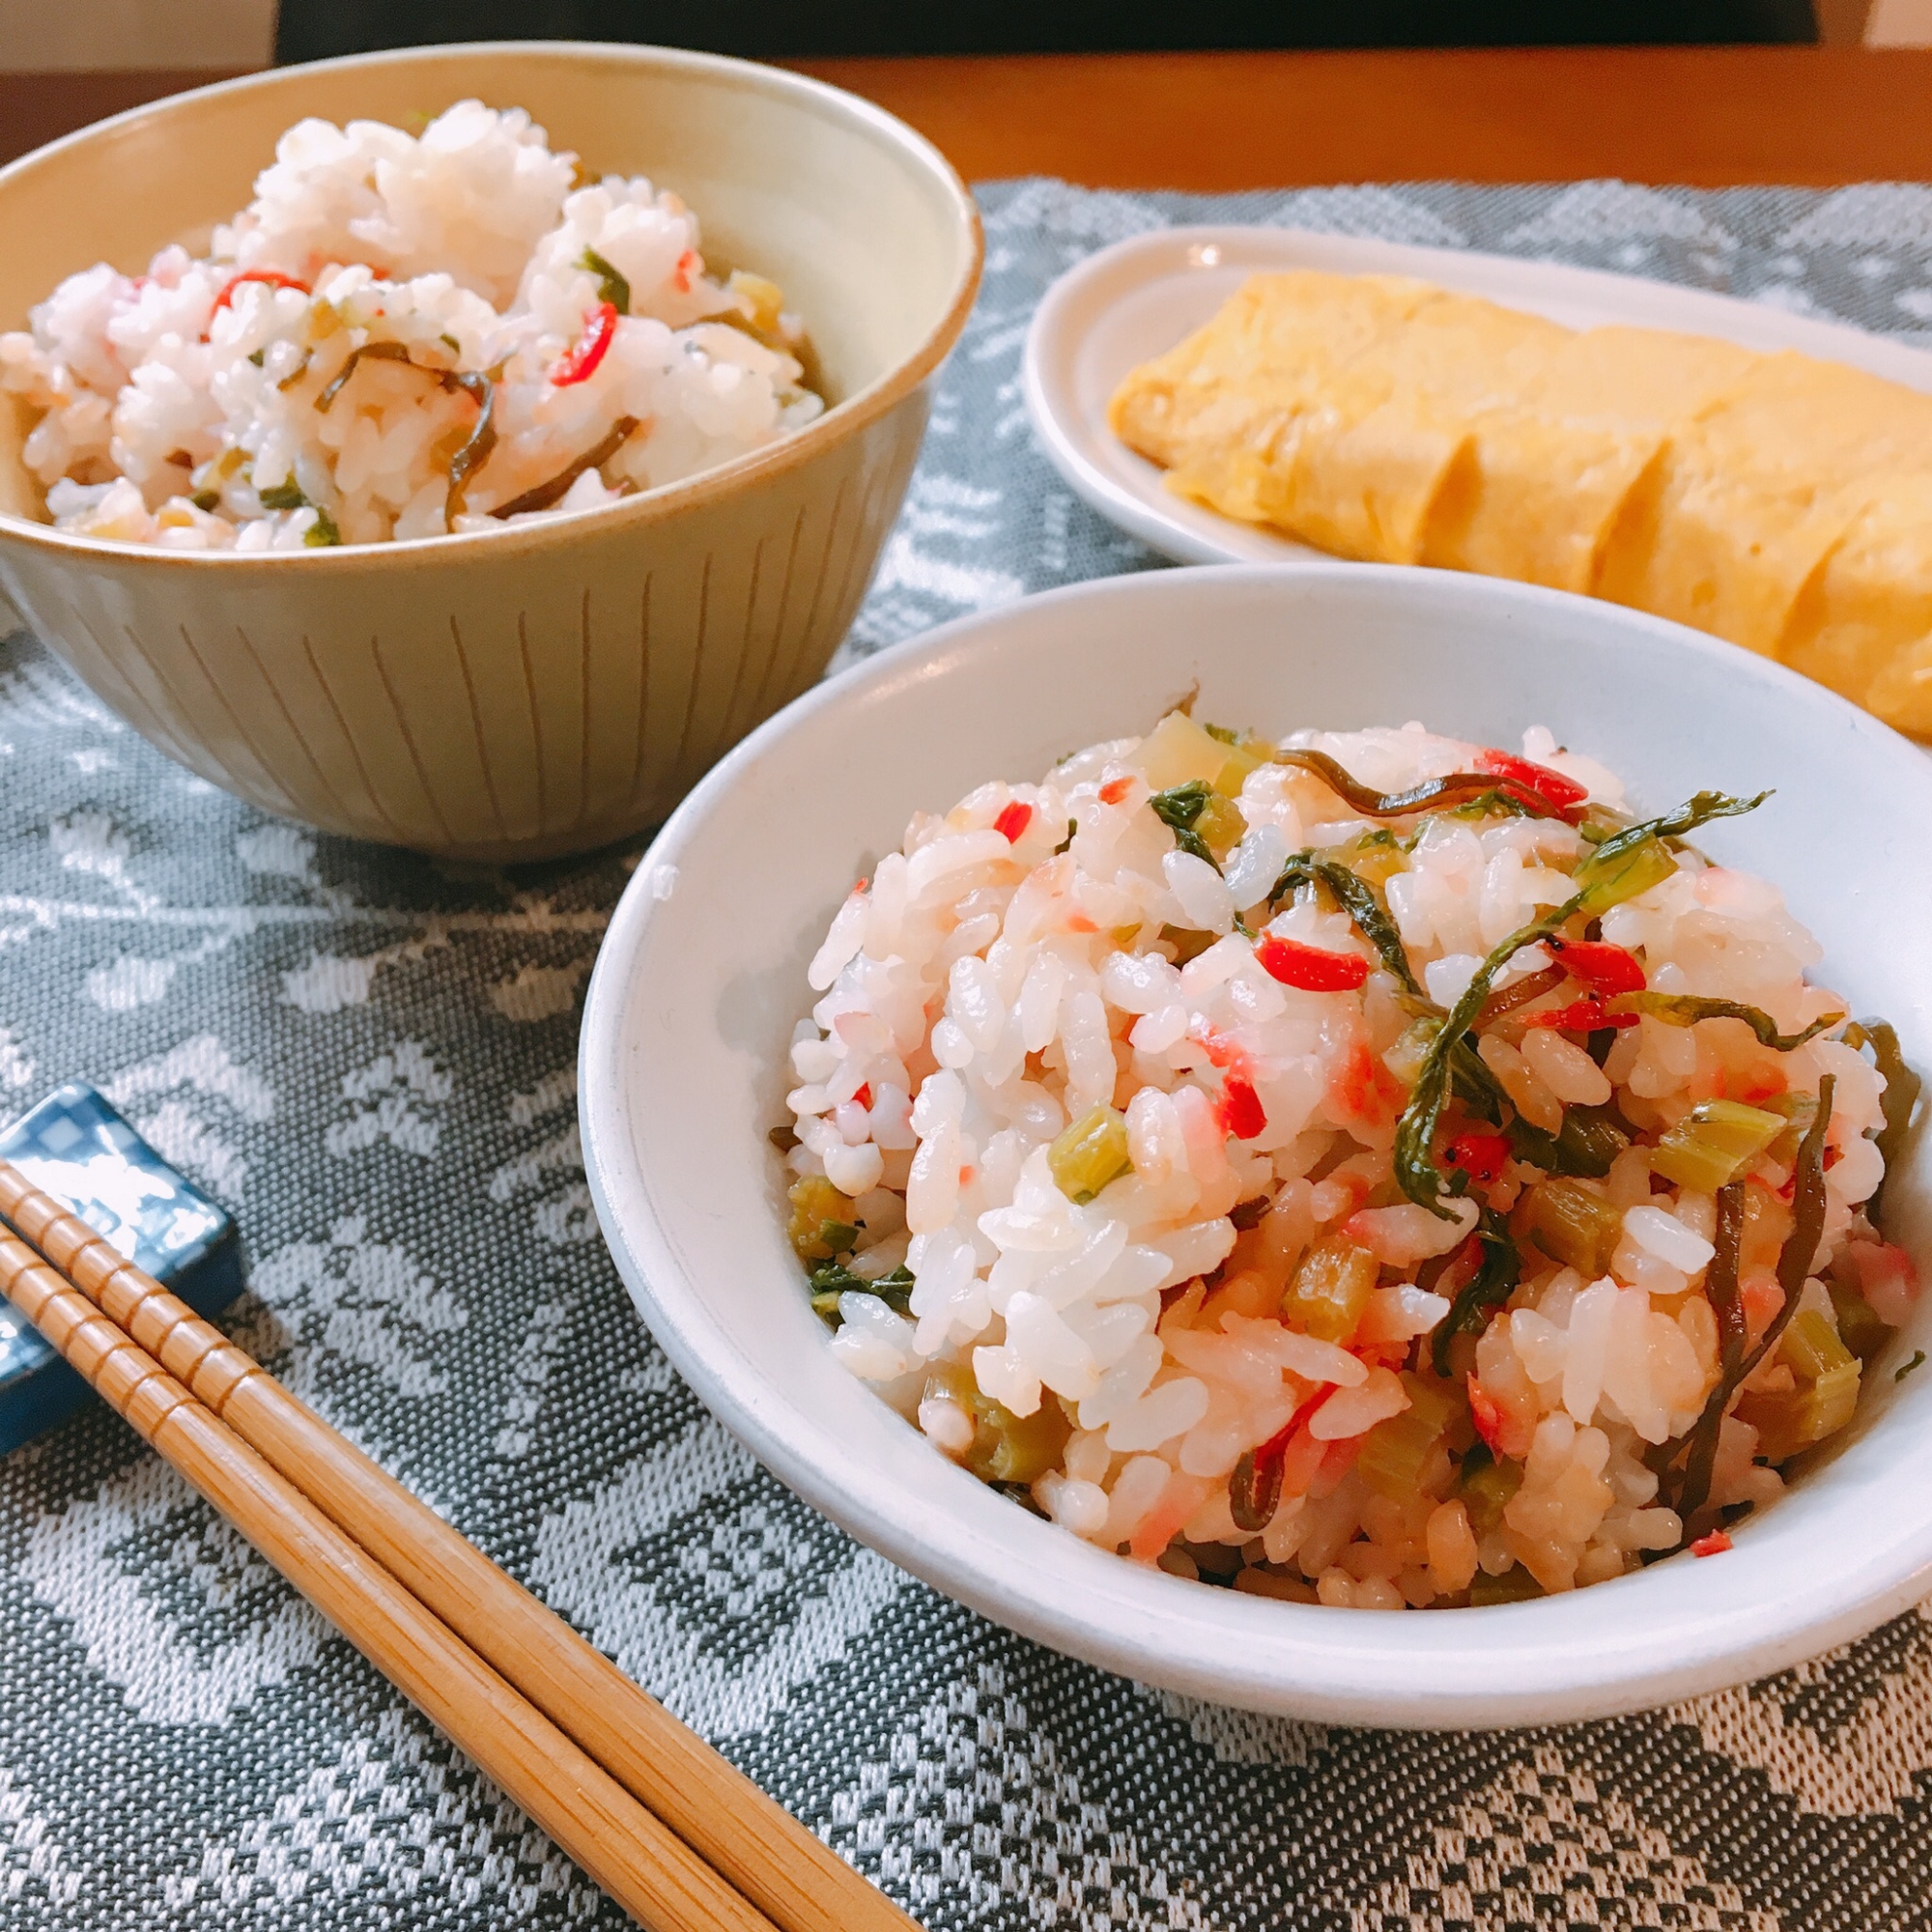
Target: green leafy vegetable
(1489,1288)
(322,533)
(1917,1362)
(1415,1169)
(1496,802)
(1901,1095)
(611,286)
(1178,808)
(826,1283)
(1072,828)
(1602,880)
(1363,904)
(206,500)
(1684,1010)
(286,496)
(1628,862)
(258,357)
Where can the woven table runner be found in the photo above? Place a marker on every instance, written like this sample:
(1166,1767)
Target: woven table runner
(370,1058)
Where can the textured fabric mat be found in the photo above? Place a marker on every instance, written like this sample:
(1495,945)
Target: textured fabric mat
(370,1059)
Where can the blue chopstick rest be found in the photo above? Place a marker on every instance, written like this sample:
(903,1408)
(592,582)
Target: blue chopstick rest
(76,1148)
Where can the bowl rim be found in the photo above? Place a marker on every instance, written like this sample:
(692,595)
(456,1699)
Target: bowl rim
(837,425)
(1352,1670)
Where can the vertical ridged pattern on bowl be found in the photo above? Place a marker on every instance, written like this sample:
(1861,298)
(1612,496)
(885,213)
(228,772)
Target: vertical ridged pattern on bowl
(543,700)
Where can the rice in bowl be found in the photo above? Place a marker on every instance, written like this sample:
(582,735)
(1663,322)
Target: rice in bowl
(402,336)
(1369,1169)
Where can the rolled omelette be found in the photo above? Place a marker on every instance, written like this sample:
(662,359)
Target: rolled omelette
(1780,502)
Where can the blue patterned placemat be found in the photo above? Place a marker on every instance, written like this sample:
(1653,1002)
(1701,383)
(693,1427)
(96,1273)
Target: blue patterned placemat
(370,1058)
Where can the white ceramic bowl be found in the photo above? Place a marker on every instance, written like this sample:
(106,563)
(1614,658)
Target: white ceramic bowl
(702,976)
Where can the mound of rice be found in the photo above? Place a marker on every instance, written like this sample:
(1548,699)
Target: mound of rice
(400,337)
(1375,1200)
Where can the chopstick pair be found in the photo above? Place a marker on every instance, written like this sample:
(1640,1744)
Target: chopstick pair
(682,1839)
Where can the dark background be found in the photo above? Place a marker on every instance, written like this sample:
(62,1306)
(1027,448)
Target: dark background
(774,29)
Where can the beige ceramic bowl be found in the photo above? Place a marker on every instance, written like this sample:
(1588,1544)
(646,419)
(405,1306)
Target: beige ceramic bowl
(546,688)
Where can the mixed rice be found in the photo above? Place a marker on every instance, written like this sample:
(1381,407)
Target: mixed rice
(1371,1169)
(402,336)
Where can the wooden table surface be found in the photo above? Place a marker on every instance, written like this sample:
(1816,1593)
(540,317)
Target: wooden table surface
(1707,115)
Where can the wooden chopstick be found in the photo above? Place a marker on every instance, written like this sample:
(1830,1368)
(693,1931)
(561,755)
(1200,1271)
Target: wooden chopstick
(749,1839)
(636,1858)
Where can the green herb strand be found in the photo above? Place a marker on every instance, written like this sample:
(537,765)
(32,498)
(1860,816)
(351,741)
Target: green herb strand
(1794,1270)
(470,458)
(1685,1010)
(1901,1095)
(1610,874)
(1720,1290)
(1363,904)
(370,352)
(559,487)
(612,285)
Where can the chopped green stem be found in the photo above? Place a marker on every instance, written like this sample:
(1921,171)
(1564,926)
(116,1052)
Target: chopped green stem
(558,486)
(1589,1140)
(1491,1287)
(1684,1010)
(1794,1270)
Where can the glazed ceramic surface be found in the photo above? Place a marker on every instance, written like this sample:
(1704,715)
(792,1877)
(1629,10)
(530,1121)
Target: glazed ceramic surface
(1135,301)
(552,686)
(683,1070)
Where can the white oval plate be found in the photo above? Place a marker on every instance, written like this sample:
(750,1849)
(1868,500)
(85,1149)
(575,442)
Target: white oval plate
(690,1013)
(1138,298)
